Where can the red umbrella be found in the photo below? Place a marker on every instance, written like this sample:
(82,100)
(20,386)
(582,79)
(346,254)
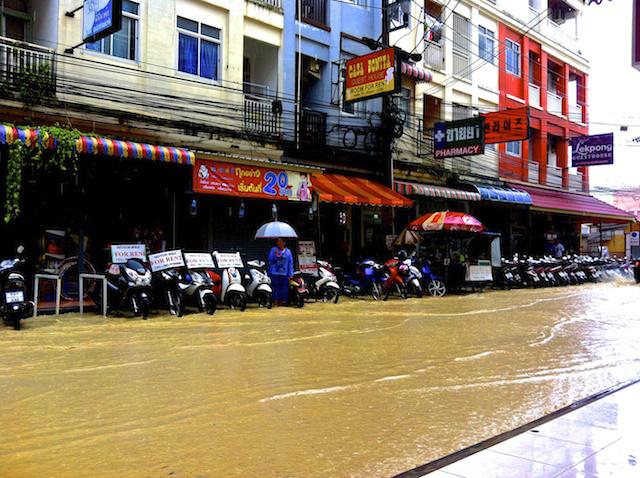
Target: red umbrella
(446,221)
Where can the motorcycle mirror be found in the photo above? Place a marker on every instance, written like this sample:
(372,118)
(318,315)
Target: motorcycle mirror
(20,249)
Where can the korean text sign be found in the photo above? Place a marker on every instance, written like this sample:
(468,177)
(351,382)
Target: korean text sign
(507,125)
(213,177)
(372,75)
(100,18)
(592,150)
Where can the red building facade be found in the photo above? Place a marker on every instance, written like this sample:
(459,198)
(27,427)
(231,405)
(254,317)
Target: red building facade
(557,96)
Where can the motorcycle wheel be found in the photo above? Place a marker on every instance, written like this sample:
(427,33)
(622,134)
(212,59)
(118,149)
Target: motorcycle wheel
(387,292)
(210,304)
(238,301)
(16,323)
(376,294)
(329,294)
(418,291)
(177,308)
(437,288)
(402,290)
(144,307)
(265,300)
(299,301)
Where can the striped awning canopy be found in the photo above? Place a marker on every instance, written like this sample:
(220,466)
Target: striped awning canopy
(360,191)
(416,73)
(102,146)
(435,191)
(502,194)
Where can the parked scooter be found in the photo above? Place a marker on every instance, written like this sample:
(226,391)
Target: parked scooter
(233,293)
(13,291)
(130,284)
(298,291)
(324,286)
(366,279)
(259,284)
(167,284)
(413,278)
(396,272)
(432,282)
(197,289)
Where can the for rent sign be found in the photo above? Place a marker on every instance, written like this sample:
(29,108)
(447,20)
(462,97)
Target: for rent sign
(372,75)
(166,260)
(592,150)
(213,177)
(121,253)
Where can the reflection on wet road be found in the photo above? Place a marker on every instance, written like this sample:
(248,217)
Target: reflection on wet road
(359,389)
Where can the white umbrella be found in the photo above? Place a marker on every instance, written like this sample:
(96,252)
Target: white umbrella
(275,229)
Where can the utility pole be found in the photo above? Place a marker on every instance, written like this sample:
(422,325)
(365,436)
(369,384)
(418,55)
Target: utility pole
(386,135)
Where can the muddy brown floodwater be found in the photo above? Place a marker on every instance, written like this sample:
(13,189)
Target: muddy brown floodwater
(360,389)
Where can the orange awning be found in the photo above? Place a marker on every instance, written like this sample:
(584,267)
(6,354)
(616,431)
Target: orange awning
(352,190)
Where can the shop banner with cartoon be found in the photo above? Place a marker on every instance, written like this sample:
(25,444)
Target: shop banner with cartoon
(214,177)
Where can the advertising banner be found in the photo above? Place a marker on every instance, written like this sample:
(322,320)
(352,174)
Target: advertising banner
(100,18)
(458,138)
(121,253)
(307,257)
(592,150)
(199,260)
(213,177)
(372,75)
(479,273)
(507,125)
(228,259)
(162,261)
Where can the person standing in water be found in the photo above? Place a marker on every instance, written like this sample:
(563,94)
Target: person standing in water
(280,271)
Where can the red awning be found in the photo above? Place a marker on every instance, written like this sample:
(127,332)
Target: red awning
(575,204)
(416,73)
(352,190)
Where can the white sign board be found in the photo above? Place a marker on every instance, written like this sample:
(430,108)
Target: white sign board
(199,260)
(307,259)
(228,259)
(479,273)
(121,253)
(166,260)
(634,238)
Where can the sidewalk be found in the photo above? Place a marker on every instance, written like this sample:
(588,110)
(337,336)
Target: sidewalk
(601,439)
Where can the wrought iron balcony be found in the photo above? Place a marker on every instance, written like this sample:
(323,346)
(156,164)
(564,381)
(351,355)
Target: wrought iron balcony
(23,64)
(312,128)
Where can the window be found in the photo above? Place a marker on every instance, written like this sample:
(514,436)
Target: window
(513,57)
(198,49)
(461,112)
(461,46)
(403,100)
(486,44)
(123,43)
(350,108)
(514,148)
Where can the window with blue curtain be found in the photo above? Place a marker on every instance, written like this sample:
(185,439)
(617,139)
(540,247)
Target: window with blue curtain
(198,49)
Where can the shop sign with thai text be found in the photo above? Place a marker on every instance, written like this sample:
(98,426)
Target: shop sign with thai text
(372,75)
(592,150)
(507,125)
(458,138)
(248,181)
(121,253)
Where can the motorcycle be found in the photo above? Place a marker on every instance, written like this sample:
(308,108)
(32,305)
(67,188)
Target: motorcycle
(197,288)
(259,284)
(433,283)
(233,293)
(130,283)
(167,285)
(13,291)
(366,279)
(413,278)
(325,286)
(395,273)
(298,291)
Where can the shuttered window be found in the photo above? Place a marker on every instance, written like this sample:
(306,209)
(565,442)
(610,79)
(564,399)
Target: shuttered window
(461,46)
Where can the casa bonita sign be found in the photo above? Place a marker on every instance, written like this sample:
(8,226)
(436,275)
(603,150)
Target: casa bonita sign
(592,150)
(459,138)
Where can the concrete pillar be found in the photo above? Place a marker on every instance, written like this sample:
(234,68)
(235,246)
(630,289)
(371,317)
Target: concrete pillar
(544,64)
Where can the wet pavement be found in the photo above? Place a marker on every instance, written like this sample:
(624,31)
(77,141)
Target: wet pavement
(358,389)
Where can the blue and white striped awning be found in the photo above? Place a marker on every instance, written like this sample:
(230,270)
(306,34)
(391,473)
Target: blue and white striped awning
(502,194)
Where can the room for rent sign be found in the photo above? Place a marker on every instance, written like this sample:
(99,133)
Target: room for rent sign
(372,75)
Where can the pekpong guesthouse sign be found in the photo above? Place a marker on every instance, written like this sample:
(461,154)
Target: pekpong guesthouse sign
(592,150)
(100,18)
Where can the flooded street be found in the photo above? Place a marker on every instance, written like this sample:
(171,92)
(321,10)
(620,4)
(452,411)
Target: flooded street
(360,389)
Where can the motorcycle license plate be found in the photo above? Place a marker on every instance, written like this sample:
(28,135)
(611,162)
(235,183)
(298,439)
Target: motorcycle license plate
(13,297)
(509,275)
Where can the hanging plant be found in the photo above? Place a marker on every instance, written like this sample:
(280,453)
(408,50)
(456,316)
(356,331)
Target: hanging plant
(53,151)
(35,85)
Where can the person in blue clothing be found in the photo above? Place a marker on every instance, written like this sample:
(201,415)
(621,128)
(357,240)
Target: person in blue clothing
(280,271)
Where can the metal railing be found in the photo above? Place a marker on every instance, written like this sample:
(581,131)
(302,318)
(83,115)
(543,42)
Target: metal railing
(554,103)
(19,58)
(534,172)
(262,116)
(535,18)
(434,55)
(558,34)
(313,128)
(575,113)
(554,176)
(534,95)
(314,11)
(269,3)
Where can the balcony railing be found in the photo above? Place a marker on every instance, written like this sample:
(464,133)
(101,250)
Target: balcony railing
(575,113)
(534,95)
(534,172)
(554,176)
(554,103)
(314,11)
(19,61)
(536,18)
(558,34)
(313,128)
(575,182)
(434,55)
(262,117)
(277,4)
